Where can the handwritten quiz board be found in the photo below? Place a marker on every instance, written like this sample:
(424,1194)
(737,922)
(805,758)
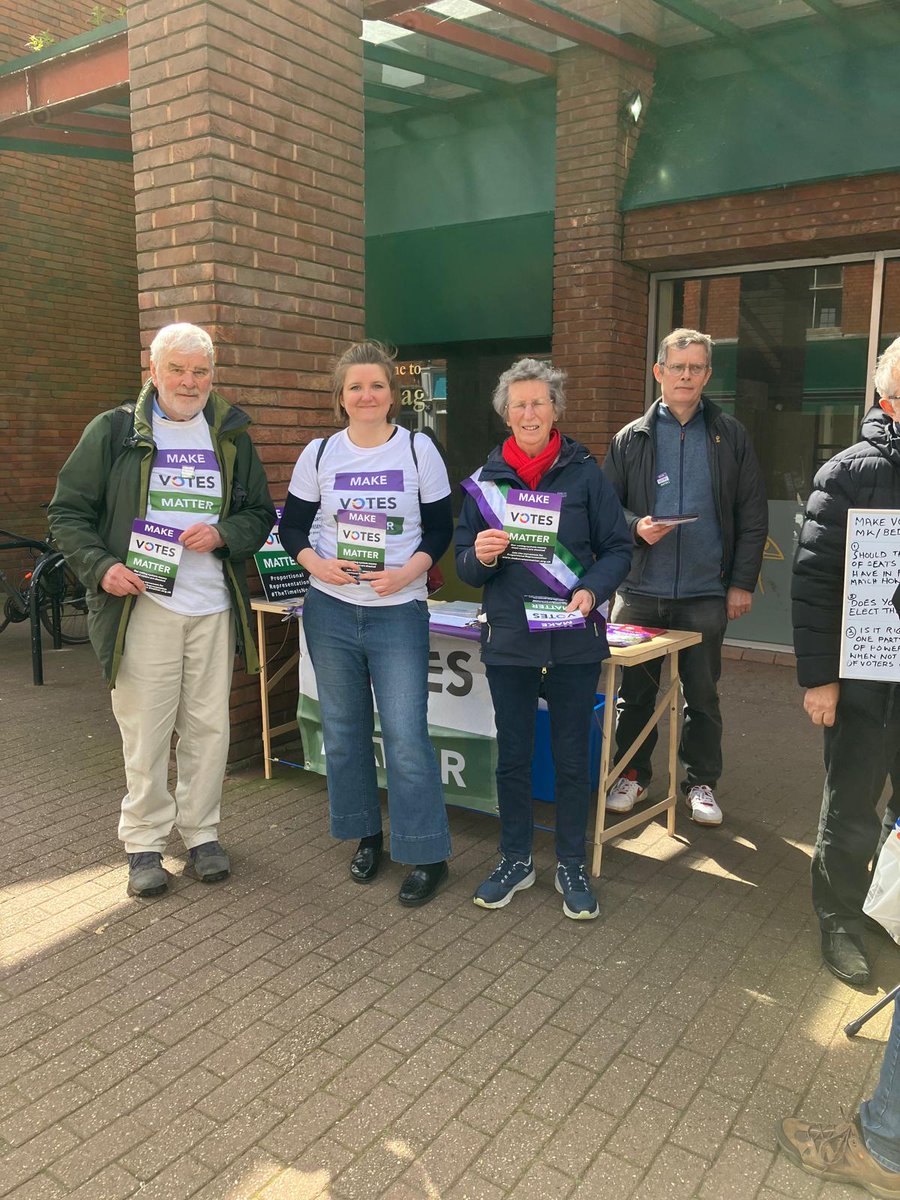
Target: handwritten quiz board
(870,632)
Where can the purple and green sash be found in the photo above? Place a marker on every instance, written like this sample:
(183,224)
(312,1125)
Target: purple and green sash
(562,574)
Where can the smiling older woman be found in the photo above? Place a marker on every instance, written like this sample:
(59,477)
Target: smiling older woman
(568,551)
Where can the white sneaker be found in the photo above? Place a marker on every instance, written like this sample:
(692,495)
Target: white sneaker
(624,793)
(704,810)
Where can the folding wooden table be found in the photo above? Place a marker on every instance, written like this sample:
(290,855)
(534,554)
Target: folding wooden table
(665,645)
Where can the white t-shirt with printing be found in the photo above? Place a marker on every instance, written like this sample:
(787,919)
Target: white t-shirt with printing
(186,489)
(380,479)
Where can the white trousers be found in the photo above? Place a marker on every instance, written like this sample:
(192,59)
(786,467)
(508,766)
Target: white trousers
(175,674)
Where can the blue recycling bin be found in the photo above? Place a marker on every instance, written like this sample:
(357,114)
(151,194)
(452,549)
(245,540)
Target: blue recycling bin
(543,777)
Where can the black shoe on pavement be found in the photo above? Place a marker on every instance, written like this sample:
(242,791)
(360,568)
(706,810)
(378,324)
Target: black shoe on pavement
(844,955)
(209,863)
(146,874)
(365,862)
(421,883)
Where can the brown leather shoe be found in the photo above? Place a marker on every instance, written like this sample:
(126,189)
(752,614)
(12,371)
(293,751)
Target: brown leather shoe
(836,1152)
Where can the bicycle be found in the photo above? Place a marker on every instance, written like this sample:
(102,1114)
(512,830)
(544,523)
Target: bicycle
(56,583)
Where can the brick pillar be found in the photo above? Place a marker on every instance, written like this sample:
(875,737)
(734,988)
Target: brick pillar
(599,302)
(247,127)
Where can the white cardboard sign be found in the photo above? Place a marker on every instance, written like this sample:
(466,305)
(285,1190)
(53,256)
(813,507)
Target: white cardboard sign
(870,630)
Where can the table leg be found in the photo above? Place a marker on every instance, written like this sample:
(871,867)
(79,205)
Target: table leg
(674,681)
(264,691)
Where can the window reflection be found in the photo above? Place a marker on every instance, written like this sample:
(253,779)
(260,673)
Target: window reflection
(790,358)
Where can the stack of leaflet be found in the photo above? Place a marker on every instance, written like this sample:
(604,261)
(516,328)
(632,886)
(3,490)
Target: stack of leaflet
(630,635)
(455,618)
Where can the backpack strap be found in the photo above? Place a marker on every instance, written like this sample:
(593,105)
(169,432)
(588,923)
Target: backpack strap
(412,446)
(121,428)
(324,442)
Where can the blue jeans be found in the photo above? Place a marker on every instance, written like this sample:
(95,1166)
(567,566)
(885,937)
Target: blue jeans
(354,649)
(880,1116)
(700,747)
(570,689)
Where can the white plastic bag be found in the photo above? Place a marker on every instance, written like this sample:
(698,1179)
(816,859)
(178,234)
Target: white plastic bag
(883,901)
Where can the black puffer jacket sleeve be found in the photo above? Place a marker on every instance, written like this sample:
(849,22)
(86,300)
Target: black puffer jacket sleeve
(817,588)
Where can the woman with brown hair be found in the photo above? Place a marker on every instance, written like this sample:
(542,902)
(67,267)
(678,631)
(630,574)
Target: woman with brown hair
(386,518)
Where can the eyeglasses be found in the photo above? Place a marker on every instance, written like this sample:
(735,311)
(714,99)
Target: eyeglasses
(695,369)
(536,406)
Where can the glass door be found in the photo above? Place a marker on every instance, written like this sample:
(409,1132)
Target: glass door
(791,363)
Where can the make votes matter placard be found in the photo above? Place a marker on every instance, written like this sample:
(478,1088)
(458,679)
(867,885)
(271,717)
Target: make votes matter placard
(870,633)
(281,577)
(362,538)
(532,522)
(154,553)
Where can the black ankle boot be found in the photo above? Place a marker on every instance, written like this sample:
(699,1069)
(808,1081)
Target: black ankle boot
(421,883)
(365,862)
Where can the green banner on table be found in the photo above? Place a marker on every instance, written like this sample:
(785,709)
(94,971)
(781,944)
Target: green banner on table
(467,760)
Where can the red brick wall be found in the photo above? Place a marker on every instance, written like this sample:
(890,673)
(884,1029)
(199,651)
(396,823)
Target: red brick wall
(856,299)
(247,127)
(803,221)
(890,305)
(599,301)
(69,341)
(713,305)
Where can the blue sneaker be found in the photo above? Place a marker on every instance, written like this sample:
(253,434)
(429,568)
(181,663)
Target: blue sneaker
(502,884)
(579,902)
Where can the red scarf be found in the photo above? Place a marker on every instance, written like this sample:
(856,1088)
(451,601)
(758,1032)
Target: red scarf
(529,469)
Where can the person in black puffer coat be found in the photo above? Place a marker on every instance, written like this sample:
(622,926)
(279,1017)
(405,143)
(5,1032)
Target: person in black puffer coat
(861,718)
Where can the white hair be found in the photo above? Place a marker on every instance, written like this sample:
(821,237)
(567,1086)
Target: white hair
(887,369)
(183,338)
(525,370)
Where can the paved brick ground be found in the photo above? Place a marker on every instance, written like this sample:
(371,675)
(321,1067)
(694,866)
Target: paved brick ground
(289,1035)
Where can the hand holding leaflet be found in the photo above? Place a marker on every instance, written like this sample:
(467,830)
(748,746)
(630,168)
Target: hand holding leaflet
(675,519)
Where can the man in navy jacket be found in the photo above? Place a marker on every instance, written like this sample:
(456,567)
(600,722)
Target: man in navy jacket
(684,457)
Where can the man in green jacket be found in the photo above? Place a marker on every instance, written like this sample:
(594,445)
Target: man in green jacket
(156,510)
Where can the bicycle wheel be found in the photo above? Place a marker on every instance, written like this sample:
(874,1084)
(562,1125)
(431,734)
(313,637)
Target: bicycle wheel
(73,626)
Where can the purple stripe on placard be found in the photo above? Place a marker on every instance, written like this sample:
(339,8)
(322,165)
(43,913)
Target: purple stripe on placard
(538,626)
(372,520)
(151,529)
(369,481)
(204,459)
(543,501)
